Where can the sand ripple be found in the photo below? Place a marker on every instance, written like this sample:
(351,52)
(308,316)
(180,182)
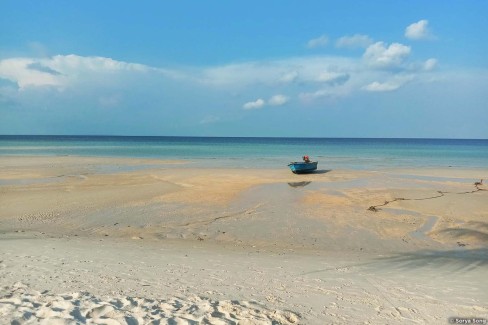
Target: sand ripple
(21,305)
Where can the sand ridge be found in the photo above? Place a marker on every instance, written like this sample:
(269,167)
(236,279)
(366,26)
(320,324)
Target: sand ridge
(25,306)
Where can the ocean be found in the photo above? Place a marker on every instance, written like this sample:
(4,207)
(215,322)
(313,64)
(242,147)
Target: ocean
(229,152)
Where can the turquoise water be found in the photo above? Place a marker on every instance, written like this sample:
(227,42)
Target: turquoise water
(331,153)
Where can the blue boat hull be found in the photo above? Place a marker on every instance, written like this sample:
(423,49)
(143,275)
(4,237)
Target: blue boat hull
(303,167)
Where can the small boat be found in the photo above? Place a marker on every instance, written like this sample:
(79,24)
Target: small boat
(303,167)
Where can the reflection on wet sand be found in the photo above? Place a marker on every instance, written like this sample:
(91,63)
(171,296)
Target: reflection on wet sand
(299,184)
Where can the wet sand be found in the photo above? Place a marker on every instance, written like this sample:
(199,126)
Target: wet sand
(238,245)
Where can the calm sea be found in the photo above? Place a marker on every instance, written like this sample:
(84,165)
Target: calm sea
(331,153)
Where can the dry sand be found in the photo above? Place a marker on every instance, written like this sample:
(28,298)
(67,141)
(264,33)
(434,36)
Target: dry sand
(134,241)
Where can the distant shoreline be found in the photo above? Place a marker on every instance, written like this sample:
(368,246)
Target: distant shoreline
(223,137)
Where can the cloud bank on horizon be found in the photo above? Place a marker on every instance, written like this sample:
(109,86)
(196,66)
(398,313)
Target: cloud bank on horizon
(98,94)
(382,67)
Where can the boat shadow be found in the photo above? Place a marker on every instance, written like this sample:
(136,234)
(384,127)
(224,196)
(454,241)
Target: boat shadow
(321,171)
(298,184)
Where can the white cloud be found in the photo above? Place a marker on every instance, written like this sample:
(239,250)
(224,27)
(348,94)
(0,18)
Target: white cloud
(59,70)
(272,73)
(332,78)
(331,93)
(430,64)
(278,100)
(19,71)
(95,63)
(289,77)
(385,86)
(258,103)
(418,30)
(318,42)
(355,41)
(380,55)
(393,84)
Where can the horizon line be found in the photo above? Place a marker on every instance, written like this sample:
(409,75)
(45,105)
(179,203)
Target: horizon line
(240,137)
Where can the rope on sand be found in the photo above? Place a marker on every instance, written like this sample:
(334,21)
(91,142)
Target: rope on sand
(477,185)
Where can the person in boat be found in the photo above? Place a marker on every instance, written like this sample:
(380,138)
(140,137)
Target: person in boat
(306,159)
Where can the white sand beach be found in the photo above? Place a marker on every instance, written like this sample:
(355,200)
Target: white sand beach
(136,241)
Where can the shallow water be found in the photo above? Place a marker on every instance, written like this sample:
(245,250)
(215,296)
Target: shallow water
(29,181)
(421,233)
(331,153)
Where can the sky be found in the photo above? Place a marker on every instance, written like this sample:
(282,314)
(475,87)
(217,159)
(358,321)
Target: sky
(376,69)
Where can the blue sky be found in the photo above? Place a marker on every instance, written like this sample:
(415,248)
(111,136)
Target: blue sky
(253,68)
